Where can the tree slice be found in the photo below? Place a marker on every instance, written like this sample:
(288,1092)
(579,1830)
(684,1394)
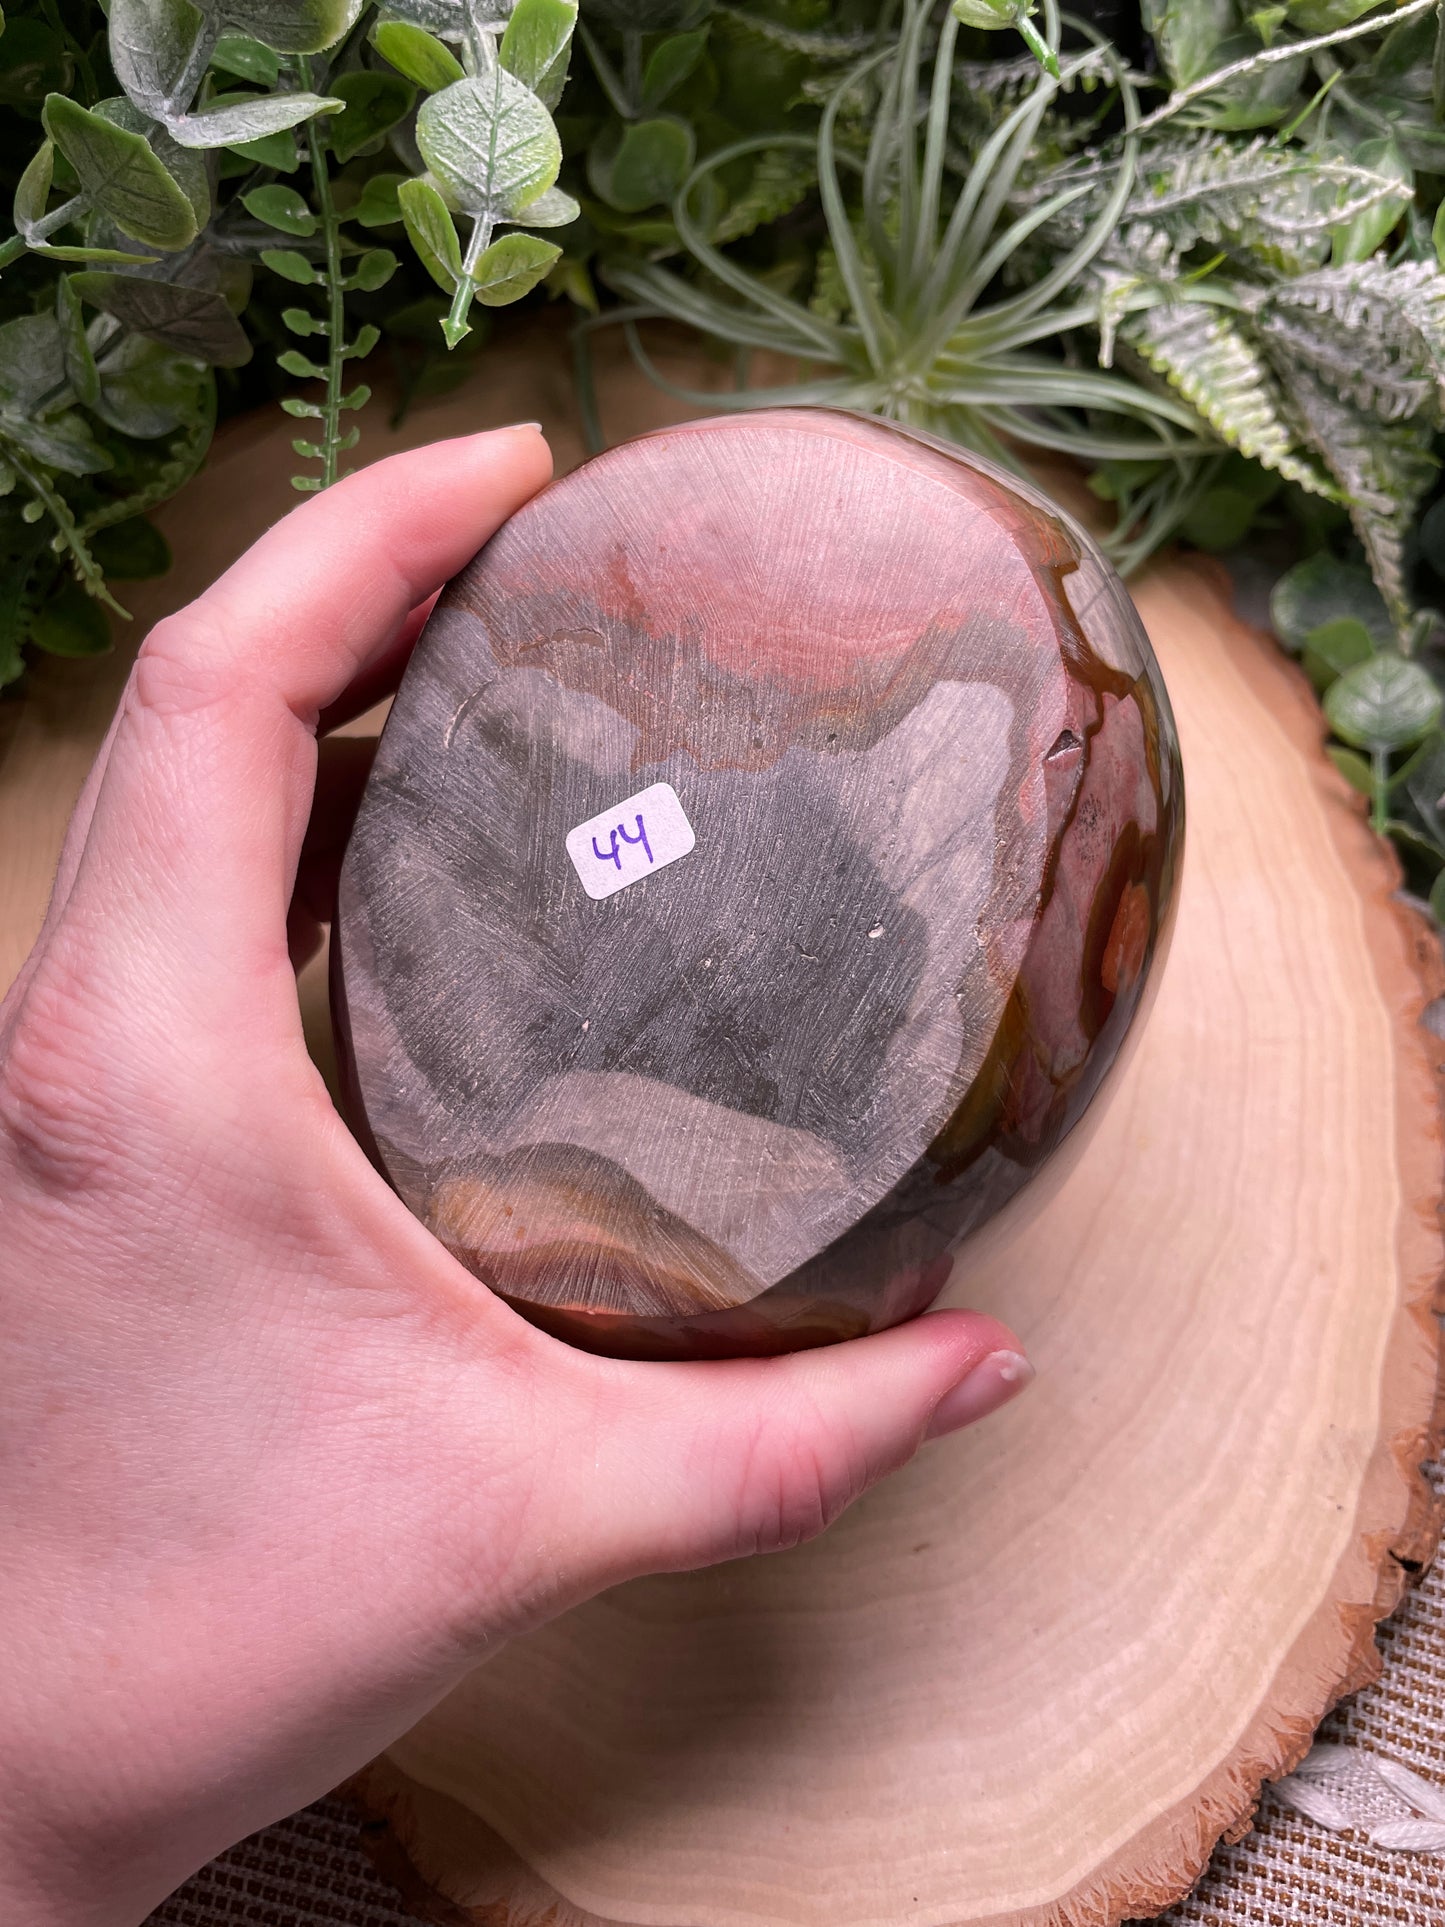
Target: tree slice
(1038,1674)
(1035,1677)
(759,871)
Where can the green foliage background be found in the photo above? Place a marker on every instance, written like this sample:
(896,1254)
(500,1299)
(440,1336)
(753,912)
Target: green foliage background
(1195,244)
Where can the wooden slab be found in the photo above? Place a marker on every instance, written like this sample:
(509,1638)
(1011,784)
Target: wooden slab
(1037,1675)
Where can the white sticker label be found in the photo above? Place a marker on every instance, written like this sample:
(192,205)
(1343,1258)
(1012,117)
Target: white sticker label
(631,840)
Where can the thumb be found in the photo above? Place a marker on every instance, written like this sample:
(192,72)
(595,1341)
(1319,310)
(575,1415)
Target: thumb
(683,1465)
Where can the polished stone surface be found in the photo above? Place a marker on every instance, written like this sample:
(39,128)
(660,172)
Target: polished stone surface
(761,867)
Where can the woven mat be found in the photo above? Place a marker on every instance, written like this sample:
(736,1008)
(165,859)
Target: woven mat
(312,1870)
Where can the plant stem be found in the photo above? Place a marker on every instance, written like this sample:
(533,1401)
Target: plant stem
(1284,50)
(456,324)
(632,69)
(1380,800)
(336,313)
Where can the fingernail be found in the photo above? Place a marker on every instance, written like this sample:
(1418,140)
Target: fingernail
(992,1382)
(514,425)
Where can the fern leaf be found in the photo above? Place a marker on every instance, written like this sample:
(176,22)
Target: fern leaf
(1373,332)
(1383,471)
(1206,354)
(1277,202)
(781,178)
(818,47)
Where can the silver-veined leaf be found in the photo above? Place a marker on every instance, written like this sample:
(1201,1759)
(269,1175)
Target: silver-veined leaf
(230,120)
(490,143)
(121,176)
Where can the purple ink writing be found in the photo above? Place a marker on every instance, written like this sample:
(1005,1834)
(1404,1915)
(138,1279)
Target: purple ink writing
(641,837)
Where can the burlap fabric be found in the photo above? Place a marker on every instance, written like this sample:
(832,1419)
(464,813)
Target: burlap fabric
(312,1870)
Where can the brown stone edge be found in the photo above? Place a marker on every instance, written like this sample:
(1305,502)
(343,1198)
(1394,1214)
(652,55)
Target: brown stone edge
(1398,1518)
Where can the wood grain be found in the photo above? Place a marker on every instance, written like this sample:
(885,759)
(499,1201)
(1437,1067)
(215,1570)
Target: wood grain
(1033,1679)
(907,731)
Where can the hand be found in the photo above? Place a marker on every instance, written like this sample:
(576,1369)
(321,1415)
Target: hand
(276,1470)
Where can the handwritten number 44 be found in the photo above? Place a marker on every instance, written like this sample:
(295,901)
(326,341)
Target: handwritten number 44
(612,854)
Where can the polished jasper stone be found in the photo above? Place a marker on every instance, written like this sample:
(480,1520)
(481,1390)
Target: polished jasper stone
(761,867)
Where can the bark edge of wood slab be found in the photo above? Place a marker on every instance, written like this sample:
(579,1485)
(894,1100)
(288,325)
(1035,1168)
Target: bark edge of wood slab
(762,867)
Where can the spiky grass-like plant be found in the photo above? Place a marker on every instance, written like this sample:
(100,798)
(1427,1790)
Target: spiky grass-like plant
(909,321)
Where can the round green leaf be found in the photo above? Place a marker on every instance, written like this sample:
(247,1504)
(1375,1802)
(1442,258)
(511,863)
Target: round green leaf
(512,267)
(71,624)
(280,207)
(669,65)
(417,54)
(378,205)
(535,45)
(121,176)
(373,270)
(490,143)
(641,164)
(289,26)
(290,265)
(247,59)
(1320,589)
(149,389)
(1386,703)
(432,232)
(195,322)
(374,103)
(1334,648)
(1354,768)
(131,551)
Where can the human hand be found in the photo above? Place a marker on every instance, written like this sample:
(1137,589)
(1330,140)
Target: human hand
(276,1470)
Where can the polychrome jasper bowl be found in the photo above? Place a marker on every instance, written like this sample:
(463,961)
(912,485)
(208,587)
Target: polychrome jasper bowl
(761,868)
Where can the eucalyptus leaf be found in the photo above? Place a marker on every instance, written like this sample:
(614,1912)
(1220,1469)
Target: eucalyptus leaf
(535,45)
(247,59)
(148,389)
(432,232)
(420,56)
(153,43)
(287,26)
(512,267)
(490,143)
(374,103)
(34,62)
(1384,704)
(190,321)
(64,442)
(32,362)
(669,65)
(32,191)
(232,119)
(75,349)
(121,176)
(1320,590)
(188,170)
(1334,648)
(636,165)
(552,208)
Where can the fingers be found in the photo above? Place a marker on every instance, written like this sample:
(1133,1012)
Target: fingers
(197,821)
(681,1466)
